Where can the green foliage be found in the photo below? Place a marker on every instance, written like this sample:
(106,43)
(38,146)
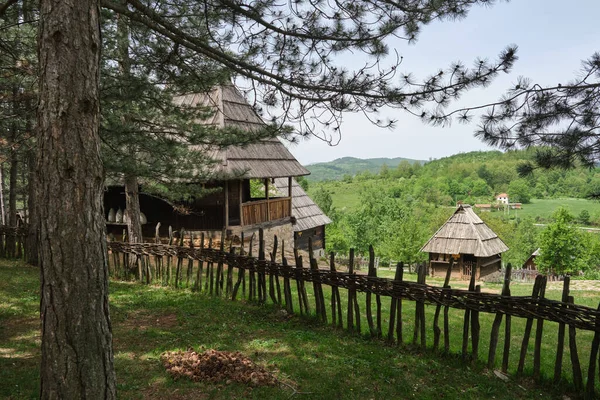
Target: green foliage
(562,248)
(347,167)
(323,199)
(519,191)
(584,217)
(303,182)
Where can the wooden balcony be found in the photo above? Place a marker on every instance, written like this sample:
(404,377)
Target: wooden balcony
(259,211)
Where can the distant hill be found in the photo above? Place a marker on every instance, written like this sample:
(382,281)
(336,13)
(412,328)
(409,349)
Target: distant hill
(336,169)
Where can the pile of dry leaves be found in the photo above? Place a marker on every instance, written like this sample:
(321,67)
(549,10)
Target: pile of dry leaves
(216,366)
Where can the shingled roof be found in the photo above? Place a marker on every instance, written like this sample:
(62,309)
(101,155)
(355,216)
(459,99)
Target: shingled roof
(267,158)
(307,213)
(465,233)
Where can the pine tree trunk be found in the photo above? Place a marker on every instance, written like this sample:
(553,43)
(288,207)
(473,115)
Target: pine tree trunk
(132,205)
(77,357)
(12,192)
(32,220)
(2,205)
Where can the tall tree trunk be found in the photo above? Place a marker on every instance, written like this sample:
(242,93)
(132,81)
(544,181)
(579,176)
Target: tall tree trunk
(77,357)
(132,206)
(2,205)
(12,182)
(132,198)
(32,220)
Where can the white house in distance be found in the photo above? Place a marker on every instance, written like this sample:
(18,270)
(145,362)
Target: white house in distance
(502,198)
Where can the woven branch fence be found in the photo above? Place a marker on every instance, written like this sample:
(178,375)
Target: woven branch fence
(12,241)
(211,268)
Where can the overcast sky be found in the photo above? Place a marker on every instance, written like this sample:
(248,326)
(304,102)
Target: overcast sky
(553,38)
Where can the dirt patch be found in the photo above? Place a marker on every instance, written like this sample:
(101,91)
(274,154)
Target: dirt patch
(142,321)
(216,367)
(576,285)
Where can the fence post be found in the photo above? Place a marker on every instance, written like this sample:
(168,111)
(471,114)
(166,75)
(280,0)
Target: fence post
(436,328)
(589,390)
(538,334)
(528,325)
(560,346)
(577,377)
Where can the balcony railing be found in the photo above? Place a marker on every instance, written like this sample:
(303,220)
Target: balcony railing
(257,212)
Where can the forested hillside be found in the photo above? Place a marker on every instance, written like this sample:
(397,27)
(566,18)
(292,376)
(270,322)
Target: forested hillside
(349,166)
(398,209)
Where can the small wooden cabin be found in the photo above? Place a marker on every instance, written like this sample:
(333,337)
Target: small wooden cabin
(309,221)
(469,242)
(530,264)
(231,206)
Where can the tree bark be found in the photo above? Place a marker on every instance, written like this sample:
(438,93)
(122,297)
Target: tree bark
(32,219)
(77,357)
(132,205)
(2,205)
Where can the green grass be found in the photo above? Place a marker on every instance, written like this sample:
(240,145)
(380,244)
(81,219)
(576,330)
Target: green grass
(543,208)
(319,361)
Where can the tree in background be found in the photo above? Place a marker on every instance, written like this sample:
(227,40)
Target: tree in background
(519,191)
(584,217)
(561,246)
(323,199)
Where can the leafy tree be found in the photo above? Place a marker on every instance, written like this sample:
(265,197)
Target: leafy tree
(522,241)
(519,191)
(584,217)
(323,199)
(561,246)
(303,182)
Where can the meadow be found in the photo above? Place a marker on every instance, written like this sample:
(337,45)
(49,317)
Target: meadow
(310,359)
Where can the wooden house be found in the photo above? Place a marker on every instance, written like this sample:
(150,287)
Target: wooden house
(467,240)
(231,206)
(530,264)
(309,220)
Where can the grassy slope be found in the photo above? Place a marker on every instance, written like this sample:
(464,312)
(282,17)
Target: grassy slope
(318,360)
(545,207)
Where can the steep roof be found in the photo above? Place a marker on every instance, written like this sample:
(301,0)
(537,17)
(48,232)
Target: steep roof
(465,233)
(267,158)
(307,212)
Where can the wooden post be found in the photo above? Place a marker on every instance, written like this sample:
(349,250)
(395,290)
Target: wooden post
(538,335)
(290,192)
(287,290)
(272,276)
(436,328)
(465,342)
(394,305)
(507,330)
(560,346)
(351,292)
(241,208)
(528,325)
(369,295)
(496,325)
(577,376)
(262,283)
(475,329)
(589,389)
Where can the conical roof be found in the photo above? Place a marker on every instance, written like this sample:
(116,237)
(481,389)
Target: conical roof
(267,158)
(465,233)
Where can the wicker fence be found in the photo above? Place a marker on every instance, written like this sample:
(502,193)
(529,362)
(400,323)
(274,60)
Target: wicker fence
(233,272)
(12,241)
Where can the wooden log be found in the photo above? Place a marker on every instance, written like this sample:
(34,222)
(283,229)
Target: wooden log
(537,350)
(373,273)
(276,274)
(198,283)
(467,320)
(220,274)
(475,330)
(351,292)
(262,296)
(333,289)
(393,306)
(317,287)
(436,329)
(179,271)
(560,346)
(528,325)
(590,386)
(190,268)
(287,289)
(300,284)
(272,274)
(229,281)
(496,325)
(507,324)
(399,277)
(368,305)
(577,376)
(210,275)
(422,309)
